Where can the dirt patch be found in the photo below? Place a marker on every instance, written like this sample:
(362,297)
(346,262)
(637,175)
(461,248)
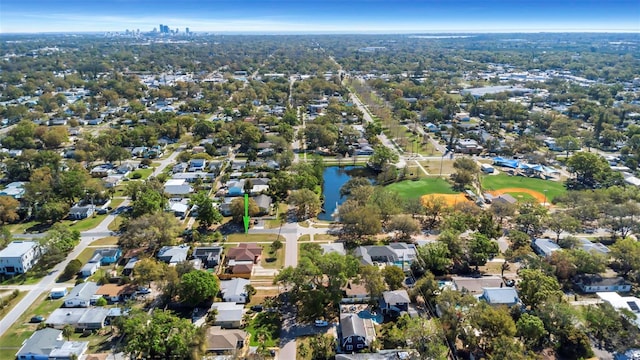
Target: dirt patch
(450,199)
(536,195)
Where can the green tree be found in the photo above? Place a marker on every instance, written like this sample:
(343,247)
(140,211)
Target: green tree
(588,262)
(357,221)
(591,170)
(101,302)
(383,156)
(151,230)
(393,276)
(531,330)
(535,288)
(372,279)
(72,268)
(480,249)
(8,209)
(435,257)
(405,225)
(197,286)
(493,323)
(562,222)
(148,270)
(67,331)
(207,213)
(160,334)
(237,209)
(626,254)
(148,201)
(531,217)
(322,347)
(52,211)
(307,203)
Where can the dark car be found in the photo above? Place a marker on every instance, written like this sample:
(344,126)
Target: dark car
(257,308)
(37,319)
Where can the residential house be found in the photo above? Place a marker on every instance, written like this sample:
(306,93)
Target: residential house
(81,212)
(14,189)
(90,268)
(48,344)
(177,187)
(180,167)
(234,290)
(468,146)
(354,291)
(101,171)
(500,296)
(394,253)
(264,203)
(388,354)
(173,254)
(125,168)
(108,256)
(591,247)
(245,252)
(395,301)
(629,303)
(197,165)
(239,268)
(179,208)
(19,256)
(226,341)
(353,332)
(431,127)
(139,151)
(115,293)
(595,283)
(475,285)
(80,319)
(128,268)
(209,255)
(82,295)
(545,247)
(229,315)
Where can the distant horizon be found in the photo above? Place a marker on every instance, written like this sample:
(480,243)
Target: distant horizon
(329,16)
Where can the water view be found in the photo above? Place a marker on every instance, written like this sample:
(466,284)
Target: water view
(334,177)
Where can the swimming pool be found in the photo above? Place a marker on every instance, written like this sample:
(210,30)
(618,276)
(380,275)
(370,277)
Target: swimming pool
(375,317)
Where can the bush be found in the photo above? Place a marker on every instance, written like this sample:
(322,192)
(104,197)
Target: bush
(136,175)
(101,302)
(72,268)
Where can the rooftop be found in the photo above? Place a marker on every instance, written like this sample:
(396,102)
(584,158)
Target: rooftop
(17,249)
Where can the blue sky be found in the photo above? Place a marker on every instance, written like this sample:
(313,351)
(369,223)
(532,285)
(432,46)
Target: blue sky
(394,16)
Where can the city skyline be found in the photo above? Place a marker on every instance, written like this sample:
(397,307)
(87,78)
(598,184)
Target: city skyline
(331,16)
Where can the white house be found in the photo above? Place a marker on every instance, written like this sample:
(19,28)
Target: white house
(597,283)
(81,295)
(18,257)
(234,290)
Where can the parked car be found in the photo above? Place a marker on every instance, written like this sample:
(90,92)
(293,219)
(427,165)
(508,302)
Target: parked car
(257,308)
(144,290)
(37,319)
(321,323)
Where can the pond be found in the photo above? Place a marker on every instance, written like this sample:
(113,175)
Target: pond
(333,179)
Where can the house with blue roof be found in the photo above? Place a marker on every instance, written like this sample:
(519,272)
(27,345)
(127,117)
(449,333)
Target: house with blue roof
(497,296)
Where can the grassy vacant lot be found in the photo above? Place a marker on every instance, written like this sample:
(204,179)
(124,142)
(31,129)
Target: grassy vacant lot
(233,238)
(272,260)
(109,240)
(11,341)
(502,181)
(144,173)
(265,326)
(415,189)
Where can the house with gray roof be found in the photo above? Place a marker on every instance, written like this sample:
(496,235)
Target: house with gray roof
(264,203)
(80,319)
(173,254)
(226,341)
(353,333)
(387,254)
(234,290)
(395,301)
(19,256)
(591,247)
(545,247)
(592,283)
(81,295)
(209,255)
(48,344)
(229,315)
(500,296)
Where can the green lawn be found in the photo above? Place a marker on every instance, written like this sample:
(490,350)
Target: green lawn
(109,240)
(502,181)
(264,326)
(415,189)
(30,278)
(85,255)
(11,341)
(253,238)
(12,302)
(272,261)
(86,224)
(144,173)
(324,237)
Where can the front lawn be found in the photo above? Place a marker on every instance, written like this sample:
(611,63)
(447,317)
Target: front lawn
(414,189)
(272,260)
(504,181)
(265,328)
(22,329)
(232,238)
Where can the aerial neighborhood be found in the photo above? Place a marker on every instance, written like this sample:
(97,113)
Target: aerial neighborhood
(199,196)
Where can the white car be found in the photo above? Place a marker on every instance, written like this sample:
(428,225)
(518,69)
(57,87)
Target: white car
(321,323)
